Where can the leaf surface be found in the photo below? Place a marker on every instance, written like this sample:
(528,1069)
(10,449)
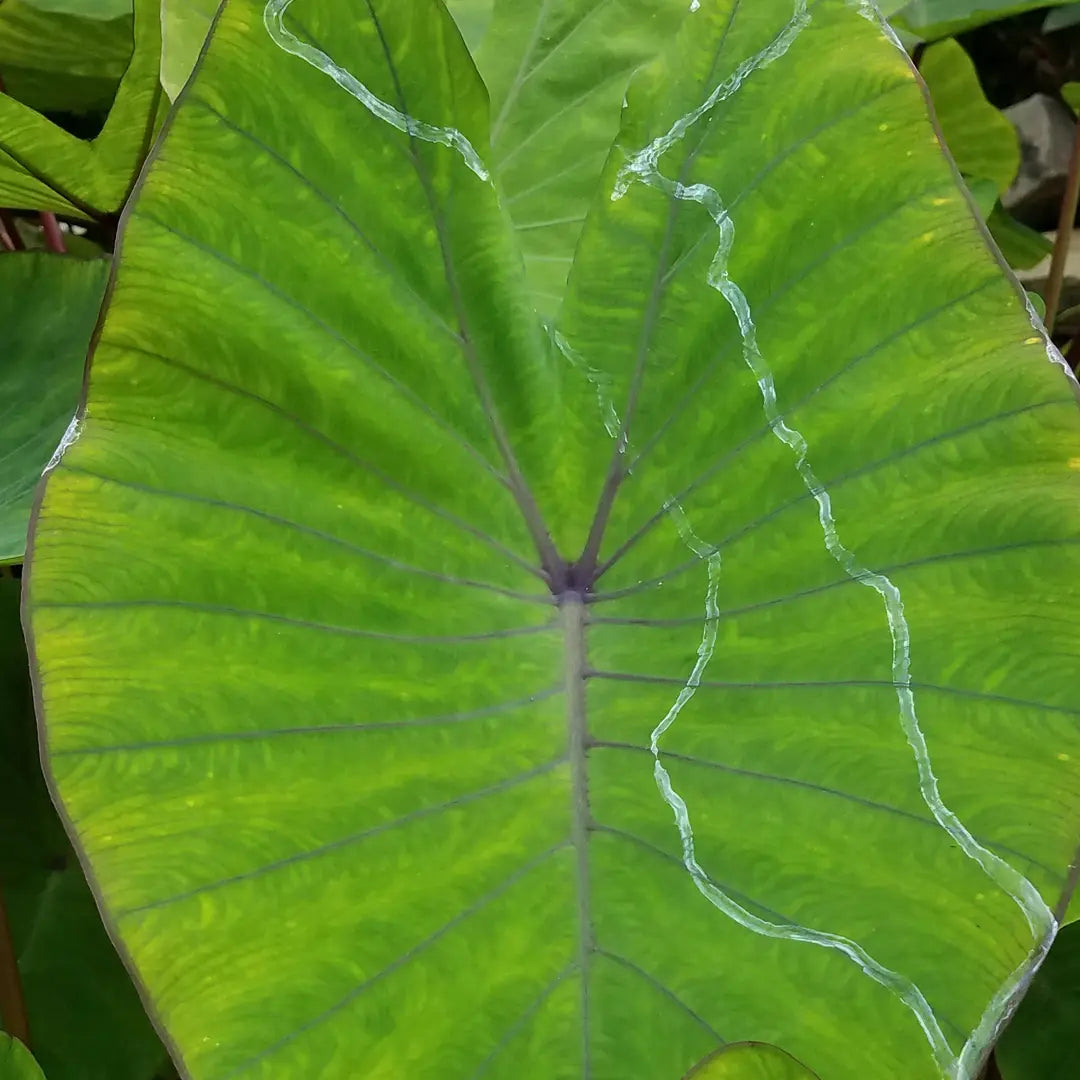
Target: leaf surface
(557,73)
(184,26)
(48,306)
(59,62)
(104,10)
(16,1062)
(750,1061)
(457,698)
(44,167)
(981,139)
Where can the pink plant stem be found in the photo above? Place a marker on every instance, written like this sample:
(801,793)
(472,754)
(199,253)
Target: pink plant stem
(10,239)
(54,238)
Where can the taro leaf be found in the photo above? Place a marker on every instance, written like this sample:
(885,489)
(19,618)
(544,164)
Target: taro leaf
(85,9)
(750,1061)
(364,790)
(1060,18)
(1022,246)
(16,1062)
(1043,1040)
(184,26)
(48,307)
(472,18)
(934,19)
(557,74)
(43,167)
(57,62)
(983,195)
(85,1016)
(982,140)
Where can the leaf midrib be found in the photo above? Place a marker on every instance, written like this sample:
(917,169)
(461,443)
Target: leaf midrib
(572,616)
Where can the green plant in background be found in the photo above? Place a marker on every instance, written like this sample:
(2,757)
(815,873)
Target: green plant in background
(42,373)
(516,602)
(16,1062)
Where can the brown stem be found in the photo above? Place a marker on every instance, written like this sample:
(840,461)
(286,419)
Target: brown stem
(12,1003)
(9,235)
(1064,234)
(54,238)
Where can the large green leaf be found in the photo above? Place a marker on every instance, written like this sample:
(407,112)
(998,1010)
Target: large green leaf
(85,1016)
(436,697)
(557,75)
(981,139)
(48,307)
(59,62)
(44,167)
(184,26)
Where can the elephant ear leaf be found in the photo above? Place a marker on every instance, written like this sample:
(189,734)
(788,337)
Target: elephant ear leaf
(44,167)
(439,685)
(750,1061)
(48,305)
(16,1062)
(557,74)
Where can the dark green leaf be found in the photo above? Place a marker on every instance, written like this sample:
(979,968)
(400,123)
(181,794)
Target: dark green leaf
(86,1020)
(48,307)
(941,18)
(1022,247)
(56,62)
(1043,1040)
(360,797)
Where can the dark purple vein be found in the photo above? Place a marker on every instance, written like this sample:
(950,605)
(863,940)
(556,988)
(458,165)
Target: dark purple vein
(832,484)
(353,838)
(478,905)
(307,530)
(290,620)
(339,449)
(400,388)
(821,789)
(617,469)
(409,724)
(949,556)
(831,684)
(545,548)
